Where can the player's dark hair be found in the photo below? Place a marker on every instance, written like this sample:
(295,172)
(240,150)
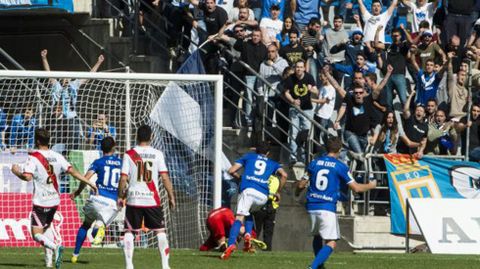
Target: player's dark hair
(42,137)
(262,148)
(107,144)
(144,133)
(334,145)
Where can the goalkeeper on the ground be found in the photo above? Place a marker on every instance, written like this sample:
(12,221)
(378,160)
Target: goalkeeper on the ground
(100,210)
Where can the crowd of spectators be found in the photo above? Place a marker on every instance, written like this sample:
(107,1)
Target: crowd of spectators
(392,74)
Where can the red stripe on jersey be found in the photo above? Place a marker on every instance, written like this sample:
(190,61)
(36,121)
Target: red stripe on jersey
(151,185)
(46,165)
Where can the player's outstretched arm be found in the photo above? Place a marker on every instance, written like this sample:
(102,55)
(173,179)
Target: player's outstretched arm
(358,187)
(82,186)
(16,170)
(82,179)
(167,183)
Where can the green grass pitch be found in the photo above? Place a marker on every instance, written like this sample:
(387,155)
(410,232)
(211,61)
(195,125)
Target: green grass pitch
(190,259)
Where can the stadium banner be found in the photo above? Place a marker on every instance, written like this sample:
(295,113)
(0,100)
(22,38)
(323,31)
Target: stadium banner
(447,229)
(63,5)
(428,177)
(15,220)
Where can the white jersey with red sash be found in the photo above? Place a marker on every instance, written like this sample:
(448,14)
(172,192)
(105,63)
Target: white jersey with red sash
(46,167)
(143,165)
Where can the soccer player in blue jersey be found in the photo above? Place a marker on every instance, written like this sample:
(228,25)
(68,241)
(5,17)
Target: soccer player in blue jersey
(254,192)
(323,177)
(101,209)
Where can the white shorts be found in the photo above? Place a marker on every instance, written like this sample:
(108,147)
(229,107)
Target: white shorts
(250,200)
(325,224)
(100,208)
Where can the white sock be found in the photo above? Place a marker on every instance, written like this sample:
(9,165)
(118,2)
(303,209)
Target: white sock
(128,247)
(164,249)
(48,252)
(42,239)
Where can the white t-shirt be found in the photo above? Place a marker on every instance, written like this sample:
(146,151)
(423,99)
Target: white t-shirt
(325,111)
(273,27)
(420,14)
(371,25)
(45,188)
(143,173)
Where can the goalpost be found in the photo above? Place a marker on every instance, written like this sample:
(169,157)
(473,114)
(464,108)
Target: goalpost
(78,108)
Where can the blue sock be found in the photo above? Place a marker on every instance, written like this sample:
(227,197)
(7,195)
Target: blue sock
(81,235)
(234,231)
(322,256)
(249,224)
(94,231)
(317,244)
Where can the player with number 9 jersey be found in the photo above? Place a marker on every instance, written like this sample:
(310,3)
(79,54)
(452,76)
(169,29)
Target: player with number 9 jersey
(257,171)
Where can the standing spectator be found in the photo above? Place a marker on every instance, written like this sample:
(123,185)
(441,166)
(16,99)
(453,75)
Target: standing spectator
(272,26)
(371,81)
(334,36)
(386,135)
(235,12)
(3,129)
(457,91)
(99,130)
(442,137)
(360,66)
(65,94)
(415,128)
(427,83)
(396,55)
(293,52)
(244,19)
(22,130)
(215,19)
(283,38)
(473,150)
(372,21)
(265,217)
(421,11)
(426,50)
(298,91)
(325,106)
(352,47)
(304,11)
(312,39)
(253,53)
(459,20)
(283,108)
(267,5)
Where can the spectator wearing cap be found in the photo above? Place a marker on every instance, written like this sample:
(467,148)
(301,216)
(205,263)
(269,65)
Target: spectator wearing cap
(304,11)
(293,52)
(421,11)
(414,37)
(396,55)
(459,20)
(426,50)
(375,19)
(442,137)
(428,82)
(272,26)
(415,128)
(267,5)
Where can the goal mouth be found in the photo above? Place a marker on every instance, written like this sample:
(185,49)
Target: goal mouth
(81,108)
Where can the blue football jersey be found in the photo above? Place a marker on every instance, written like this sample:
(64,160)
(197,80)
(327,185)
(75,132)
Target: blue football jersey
(108,169)
(326,174)
(257,171)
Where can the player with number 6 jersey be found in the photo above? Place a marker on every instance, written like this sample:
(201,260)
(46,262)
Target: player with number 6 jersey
(253,192)
(323,177)
(141,169)
(100,210)
(45,167)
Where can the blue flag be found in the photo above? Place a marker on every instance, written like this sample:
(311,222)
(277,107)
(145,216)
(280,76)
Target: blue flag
(427,178)
(192,65)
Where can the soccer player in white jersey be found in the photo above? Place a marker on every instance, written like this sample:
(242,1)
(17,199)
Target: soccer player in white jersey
(141,168)
(44,167)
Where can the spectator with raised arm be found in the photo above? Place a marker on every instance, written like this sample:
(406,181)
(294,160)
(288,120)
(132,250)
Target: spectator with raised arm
(415,128)
(99,130)
(426,50)
(375,19)
(457,91)
(421,11)
(427,83)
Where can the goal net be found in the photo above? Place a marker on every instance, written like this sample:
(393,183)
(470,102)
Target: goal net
(79,109)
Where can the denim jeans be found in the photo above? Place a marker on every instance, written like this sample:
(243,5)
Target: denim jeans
(298,123)
(397,81)
(250,81)
(355,142)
